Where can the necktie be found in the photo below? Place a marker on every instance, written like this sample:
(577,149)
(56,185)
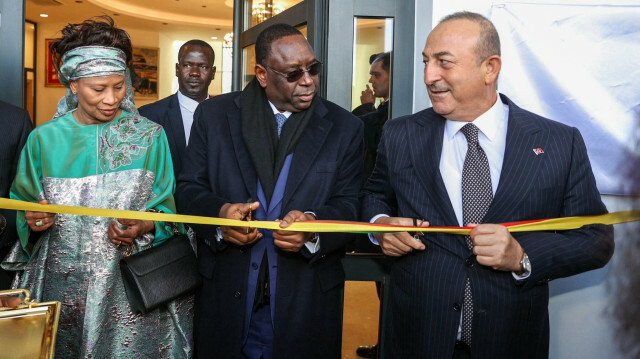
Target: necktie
(476,198)
(280,120)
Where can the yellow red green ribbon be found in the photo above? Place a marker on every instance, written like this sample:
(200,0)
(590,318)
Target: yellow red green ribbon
(554,224)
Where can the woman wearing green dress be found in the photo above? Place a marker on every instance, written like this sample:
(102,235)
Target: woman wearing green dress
(96,152)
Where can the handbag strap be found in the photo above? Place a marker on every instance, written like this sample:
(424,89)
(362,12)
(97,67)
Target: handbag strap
(173,226)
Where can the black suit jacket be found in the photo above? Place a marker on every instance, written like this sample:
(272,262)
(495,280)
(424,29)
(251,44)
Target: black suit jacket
(16,126)
(324,177)
(373,123)
(364,109)
(166,113)
(511,317)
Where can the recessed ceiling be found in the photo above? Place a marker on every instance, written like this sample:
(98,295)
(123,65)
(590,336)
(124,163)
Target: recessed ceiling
(200,18)
(185,12)
(151,15)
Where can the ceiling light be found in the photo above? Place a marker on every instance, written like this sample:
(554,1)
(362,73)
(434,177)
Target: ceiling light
(265,9)
(44,15)
(228,39)
(214,38)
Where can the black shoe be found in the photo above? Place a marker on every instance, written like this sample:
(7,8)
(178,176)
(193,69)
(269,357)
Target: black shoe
(367,351)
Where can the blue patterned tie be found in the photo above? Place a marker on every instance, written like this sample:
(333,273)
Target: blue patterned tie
(476,198)
(280,120)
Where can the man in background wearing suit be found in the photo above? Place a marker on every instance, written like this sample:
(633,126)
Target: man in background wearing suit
(475,157)
(194,71)
(374,121)
(379,80)
(16,126)
(279,150)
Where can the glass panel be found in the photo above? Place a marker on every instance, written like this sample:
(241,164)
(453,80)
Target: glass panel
(248,64)
(257,11)
(30,92)
(372,46)
(303,29)
(227,62)
(29,43)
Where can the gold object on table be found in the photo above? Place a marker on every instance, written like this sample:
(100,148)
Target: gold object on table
(28,330)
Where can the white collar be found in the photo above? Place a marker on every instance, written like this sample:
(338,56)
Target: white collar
(275,110)
(488,123)
(186,102)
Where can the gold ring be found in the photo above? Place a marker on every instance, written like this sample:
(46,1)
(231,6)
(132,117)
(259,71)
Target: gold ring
(119,243)
(39,223)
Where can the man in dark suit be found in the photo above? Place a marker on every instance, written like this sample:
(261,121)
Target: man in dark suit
(280,151)
(194,71)
(483,296)
(16,126)
(375,120)
(379,80)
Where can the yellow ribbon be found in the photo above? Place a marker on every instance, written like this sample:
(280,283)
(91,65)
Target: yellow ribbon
(555,224)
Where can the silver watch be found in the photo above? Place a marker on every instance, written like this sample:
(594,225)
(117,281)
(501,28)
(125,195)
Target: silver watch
(525,264)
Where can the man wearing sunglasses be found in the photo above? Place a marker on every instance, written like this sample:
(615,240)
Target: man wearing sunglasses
(274,151)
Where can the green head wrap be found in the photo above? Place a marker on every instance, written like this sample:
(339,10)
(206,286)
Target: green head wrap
(93,61)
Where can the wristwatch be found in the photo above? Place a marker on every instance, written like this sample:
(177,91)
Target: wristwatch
(525,264)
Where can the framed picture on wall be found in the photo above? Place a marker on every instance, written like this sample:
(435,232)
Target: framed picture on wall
(144,75)
(51,78)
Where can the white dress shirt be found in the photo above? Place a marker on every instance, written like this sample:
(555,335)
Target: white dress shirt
(492,138)
(187,108)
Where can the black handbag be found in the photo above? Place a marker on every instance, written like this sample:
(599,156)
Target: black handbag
(160,274)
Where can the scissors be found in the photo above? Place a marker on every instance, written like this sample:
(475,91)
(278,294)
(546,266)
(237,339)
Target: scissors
(417,235)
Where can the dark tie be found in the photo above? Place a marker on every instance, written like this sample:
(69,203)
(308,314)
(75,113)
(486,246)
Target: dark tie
(476,198)
(280,120)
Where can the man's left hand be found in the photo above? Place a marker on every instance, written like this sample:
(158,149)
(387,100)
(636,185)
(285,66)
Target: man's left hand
(495,247)
(292,241)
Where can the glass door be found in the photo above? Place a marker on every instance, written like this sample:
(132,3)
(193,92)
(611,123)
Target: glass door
(12,52)
(371,68)
(253,16)
(343,34)
(357,30)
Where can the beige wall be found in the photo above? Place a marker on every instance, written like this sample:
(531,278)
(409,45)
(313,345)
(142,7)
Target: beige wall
(370,41)
(48,97)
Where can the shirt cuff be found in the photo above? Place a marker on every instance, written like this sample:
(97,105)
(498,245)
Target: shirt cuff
(219,234)
(523,276)
(313,247)
(373,220)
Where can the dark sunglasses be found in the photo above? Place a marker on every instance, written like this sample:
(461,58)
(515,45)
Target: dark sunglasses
(295,75)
